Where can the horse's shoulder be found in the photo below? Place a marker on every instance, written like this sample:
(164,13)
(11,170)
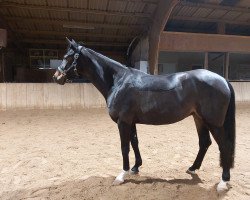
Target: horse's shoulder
(121,87)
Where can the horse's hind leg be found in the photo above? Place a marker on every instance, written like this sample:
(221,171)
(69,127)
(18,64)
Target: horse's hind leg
(134,143)
(225,162)
(204,143)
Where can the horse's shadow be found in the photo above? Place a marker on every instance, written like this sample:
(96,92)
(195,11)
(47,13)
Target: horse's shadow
(148,180)
(136,187)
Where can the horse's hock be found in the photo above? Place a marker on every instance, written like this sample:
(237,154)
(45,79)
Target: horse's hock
(74,95)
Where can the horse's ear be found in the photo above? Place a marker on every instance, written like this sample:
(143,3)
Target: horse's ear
(74,44)
(68,41)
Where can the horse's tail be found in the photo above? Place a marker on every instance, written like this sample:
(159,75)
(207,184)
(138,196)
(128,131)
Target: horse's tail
(229,128)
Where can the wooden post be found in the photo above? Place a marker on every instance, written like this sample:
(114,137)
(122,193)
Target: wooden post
(221,28)
(3,43)
(206,61)
(1,66)
(160,19)
(153,52)
(226,65)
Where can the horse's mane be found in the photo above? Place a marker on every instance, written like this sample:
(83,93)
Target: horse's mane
(105,58)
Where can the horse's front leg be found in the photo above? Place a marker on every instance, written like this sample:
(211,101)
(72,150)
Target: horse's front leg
(134,143)
(124,130)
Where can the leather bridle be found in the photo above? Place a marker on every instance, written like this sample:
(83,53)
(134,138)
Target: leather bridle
(64,71)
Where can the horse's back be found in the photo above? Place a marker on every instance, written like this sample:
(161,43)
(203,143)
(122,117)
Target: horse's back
(158,83)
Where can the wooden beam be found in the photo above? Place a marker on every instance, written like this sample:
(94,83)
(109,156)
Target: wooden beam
(43,41)
(73,34)
(161,16)
(140,1)
(188,18)
(190,30)
(5,5)
(75,23)
(199,42)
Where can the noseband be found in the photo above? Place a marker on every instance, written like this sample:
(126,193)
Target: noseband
(64,71)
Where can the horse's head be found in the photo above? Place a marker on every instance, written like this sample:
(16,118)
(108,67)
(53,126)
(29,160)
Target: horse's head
(69,62)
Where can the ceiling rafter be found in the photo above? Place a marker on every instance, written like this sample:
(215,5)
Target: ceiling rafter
(76,23)
(110,33)
(63,42)
(76,10)
(72,34)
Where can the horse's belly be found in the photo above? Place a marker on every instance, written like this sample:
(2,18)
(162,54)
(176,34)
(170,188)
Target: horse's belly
(162,118)
(163,114)
(164,107)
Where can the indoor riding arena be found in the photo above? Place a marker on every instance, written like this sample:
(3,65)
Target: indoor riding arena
(59,141)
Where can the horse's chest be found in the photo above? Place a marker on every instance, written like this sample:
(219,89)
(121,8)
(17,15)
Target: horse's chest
(120,104)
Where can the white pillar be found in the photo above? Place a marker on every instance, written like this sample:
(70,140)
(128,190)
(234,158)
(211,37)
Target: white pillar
(139,56)
(142,66)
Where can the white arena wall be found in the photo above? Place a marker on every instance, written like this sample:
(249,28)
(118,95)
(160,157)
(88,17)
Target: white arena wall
(49,96)
(242,91)
(73,95)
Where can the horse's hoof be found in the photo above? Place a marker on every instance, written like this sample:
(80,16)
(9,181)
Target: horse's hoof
(191,172)
(132,172)
(222,186)
(121,177)
(118,181)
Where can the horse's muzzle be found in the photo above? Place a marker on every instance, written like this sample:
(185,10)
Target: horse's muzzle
(59,78)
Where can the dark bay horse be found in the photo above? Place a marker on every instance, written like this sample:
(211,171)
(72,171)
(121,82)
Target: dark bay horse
(134,97)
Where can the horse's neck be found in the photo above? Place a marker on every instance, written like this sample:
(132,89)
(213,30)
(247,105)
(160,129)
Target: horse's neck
(106,71)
